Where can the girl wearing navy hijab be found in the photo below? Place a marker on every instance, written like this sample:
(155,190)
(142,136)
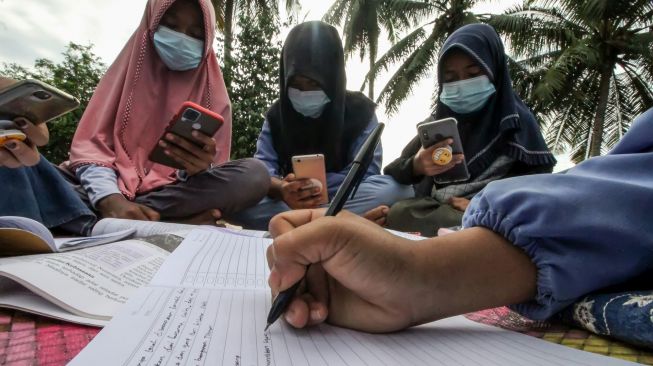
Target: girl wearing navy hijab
(315,114)
(500,135)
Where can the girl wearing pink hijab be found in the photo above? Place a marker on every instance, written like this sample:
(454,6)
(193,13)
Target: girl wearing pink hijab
(167,61)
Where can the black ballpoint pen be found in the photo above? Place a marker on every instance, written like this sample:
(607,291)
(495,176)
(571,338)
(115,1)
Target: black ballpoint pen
(348,187)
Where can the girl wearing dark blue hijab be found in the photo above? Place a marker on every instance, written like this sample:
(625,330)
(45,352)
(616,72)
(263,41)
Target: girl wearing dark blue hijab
(500,135)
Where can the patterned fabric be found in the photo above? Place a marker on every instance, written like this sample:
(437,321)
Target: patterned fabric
(627,316)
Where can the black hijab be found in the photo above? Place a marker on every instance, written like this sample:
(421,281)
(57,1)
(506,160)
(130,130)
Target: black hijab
(314,50)
(504,126)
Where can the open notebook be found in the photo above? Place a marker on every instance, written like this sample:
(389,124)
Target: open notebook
(208,305)
(88,285)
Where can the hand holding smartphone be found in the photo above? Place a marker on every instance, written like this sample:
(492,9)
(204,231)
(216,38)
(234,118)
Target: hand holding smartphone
(36,101)
(436,132)
(184,150)
(312,167)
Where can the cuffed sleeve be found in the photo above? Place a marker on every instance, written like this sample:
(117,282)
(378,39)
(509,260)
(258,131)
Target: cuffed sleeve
(98,182)
(584,230)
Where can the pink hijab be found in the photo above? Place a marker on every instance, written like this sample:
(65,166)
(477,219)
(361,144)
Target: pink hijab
(136,99)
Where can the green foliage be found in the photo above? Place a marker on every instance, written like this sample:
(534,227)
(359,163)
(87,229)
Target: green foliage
(586,66)
(362,21)
(254,79)
(417,52)
(77,74)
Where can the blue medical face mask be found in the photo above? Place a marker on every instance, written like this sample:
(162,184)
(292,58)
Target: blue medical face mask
(308,103)
(467,96)
(178,51)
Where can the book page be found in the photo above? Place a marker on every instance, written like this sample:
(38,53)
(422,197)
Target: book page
(148,228)
(186,320)
(143,228)
(92,282)
(15,296)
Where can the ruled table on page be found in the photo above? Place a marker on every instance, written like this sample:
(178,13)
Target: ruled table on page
(185,318)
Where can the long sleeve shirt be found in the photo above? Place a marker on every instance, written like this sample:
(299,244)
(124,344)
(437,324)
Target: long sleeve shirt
(266,153)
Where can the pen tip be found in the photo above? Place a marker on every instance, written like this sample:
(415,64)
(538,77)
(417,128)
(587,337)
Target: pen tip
(266,328)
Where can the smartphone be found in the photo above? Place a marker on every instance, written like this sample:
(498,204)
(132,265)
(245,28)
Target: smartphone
(36,101)
(191,117)
(312,167)
(432,132)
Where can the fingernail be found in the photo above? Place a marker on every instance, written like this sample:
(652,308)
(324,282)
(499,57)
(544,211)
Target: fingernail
(21,123)
(195,134)
(316,315)
(170,137)
(162,143)
(11,145)
(167,152)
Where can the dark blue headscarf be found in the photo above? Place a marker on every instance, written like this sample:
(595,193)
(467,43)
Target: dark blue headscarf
(505,125)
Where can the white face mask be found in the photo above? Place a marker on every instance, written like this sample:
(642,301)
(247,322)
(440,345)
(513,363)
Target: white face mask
(308,103)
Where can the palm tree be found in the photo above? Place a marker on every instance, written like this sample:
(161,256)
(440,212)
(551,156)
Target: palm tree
(363,20)
(589,64)
(225,11)
(418,51)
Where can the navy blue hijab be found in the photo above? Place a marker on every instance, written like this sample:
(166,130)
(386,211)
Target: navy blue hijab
(505,125)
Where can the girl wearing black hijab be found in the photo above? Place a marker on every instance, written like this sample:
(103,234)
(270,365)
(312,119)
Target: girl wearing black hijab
(315,114)
(500,135)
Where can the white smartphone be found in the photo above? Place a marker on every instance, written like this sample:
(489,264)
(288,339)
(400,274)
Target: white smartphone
(432,132)
(312,167)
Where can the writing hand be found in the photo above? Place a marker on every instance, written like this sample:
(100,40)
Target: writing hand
(360,276)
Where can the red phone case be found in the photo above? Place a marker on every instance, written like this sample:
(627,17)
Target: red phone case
(209,123)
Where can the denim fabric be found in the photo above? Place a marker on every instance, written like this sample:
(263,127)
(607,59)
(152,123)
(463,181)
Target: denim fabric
(585,230)
(41,193)
(373,192)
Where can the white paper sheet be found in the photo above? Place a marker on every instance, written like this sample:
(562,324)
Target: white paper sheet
(168,324)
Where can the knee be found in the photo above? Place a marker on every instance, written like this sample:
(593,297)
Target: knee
(256,179)
(390,190)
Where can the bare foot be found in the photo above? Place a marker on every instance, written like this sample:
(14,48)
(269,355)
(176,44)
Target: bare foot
(208,217)
(378,215)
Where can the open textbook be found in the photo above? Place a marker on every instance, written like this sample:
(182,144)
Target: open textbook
(208,303)
(87,286)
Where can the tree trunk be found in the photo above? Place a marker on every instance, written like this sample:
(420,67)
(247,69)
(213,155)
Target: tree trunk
(601,108)
(228,34)
(370,92)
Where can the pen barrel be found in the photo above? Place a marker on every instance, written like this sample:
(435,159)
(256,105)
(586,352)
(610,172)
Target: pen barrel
(281,302)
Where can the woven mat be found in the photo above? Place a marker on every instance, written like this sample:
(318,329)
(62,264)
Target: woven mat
(562,334)
(27,340)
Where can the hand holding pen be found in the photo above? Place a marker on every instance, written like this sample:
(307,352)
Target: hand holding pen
(349,186)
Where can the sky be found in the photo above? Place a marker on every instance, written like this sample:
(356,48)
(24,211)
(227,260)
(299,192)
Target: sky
(36,29)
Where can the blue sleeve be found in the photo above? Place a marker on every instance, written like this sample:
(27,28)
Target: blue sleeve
(584,230)
(334,180)
(265,151)
(98,182)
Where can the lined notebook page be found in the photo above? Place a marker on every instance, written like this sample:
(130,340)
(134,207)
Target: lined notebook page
(187,322)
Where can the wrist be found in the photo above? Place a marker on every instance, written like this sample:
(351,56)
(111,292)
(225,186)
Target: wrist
(418,168)
(109,200)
